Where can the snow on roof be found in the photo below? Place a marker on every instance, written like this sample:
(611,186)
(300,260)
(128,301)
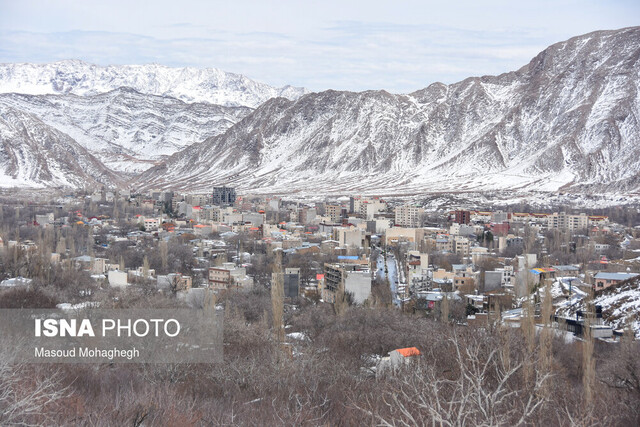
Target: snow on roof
(615,276)
(15,281)
(79,306)
(565,267)
(300,336)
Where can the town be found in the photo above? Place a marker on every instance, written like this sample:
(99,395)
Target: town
(280,263)
(380,252)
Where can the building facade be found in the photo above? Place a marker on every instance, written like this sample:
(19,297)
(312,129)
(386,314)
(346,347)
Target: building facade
(223,196)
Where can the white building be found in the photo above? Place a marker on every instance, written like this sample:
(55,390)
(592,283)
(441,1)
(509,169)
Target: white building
(118,278)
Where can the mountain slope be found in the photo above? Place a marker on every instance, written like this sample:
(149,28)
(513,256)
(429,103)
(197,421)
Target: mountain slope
(128,131)
(33,154)
(187,84)
(620,305)
(569,118)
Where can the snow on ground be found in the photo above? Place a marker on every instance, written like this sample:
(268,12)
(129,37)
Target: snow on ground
(298,336)
(620,304)
(79,306)
(15,281)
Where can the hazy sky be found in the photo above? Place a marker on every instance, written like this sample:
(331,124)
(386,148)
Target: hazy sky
(397,45)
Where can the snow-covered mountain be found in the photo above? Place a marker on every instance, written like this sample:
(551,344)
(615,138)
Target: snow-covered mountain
(568,119)
(126,130)
(33,154)
(187,84)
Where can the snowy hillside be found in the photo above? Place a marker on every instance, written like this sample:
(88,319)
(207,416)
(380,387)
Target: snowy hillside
(187,84)
(568,119)
(128,131)
(620,304)
(33,154)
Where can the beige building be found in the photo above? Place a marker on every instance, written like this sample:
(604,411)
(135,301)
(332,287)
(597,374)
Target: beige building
(219,277)
(395,235)
(563,220)
(152,224)
(408,215)
(334,212)
(349,236)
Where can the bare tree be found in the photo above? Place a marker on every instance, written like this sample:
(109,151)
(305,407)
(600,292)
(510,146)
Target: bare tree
(444,309)
(26,394)
(528,327)
(547,333)
(485,391)
(588,361)
(277,298)
(164,254)
(341,302)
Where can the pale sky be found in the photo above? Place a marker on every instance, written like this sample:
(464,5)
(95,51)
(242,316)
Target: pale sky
(400,46)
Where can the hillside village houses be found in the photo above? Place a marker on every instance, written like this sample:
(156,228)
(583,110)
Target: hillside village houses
(347,244)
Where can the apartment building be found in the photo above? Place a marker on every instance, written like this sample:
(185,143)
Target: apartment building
(370,207)
(417,267)
(349,236)
(223,196)
(357,281)
(152,224)
(219,278)
(462,217)
(229,275)
(198,199)
(334,212)
(408,216)
(566,221)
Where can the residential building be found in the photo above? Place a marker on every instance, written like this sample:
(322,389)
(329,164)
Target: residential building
(151,224)
(334,212)
(45,219)
(409,216)
(118,278)
(403,234)
(291,282)
(499,217)
(350,236)
(605,280)
(370,207)
(198,199)
(223,196)
(356,277)
(396,359)
(566,221)
(462,217)
(219,277)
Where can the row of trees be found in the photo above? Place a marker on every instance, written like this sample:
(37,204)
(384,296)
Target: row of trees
(323,376)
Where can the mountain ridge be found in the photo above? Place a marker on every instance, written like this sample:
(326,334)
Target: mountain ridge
(567,119)
(127,130)
(188,84)
(36,155)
